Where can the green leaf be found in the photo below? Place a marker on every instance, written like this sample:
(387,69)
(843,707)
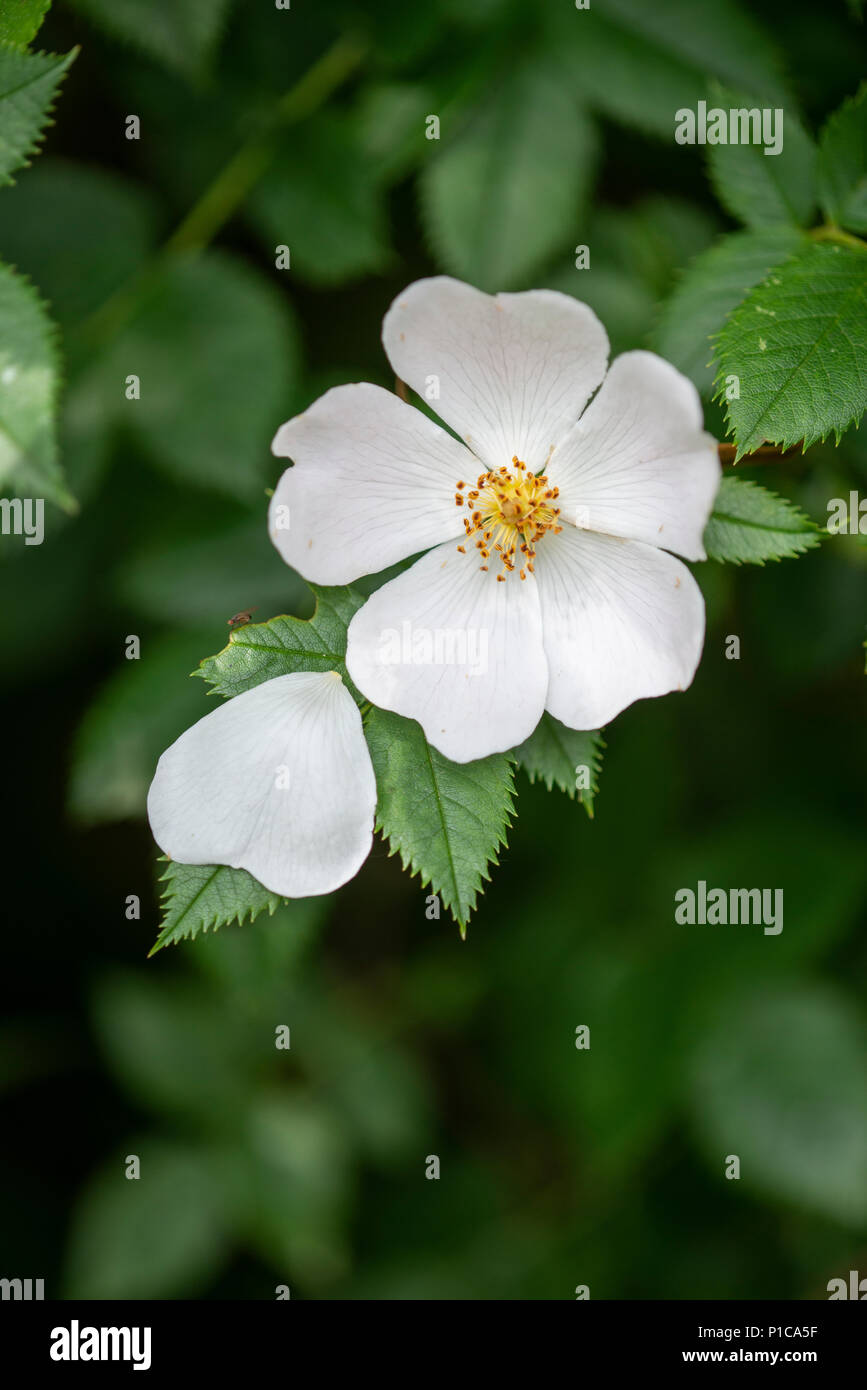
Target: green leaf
(21,20)
(626,78)
(750,525)
(780,1081)
(722,39)
(446,820)
(109,227)
(28,86)
(157,1236)
(652,239)
(711,287)
(640,64)
(635,254)
(391,127)
(798,346)
(170,1043)
(215,350)
(261,651)
(320,199)
(294,1183)
(375,1085)
(182,34)
(761,189)
(552,754)
(843,164)
(202,897)
(141,710)
(507,192)
(28,392)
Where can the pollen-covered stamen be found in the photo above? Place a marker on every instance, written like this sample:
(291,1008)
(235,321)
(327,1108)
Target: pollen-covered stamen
(513,510)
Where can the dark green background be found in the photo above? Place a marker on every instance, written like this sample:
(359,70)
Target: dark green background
(559,1167)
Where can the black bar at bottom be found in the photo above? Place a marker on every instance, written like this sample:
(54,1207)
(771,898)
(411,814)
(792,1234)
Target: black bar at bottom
(226,1339)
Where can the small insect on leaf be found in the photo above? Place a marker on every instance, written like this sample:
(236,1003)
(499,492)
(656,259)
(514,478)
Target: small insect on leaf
(241,619)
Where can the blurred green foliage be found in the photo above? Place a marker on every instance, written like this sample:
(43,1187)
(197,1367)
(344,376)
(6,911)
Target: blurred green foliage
(260,1166)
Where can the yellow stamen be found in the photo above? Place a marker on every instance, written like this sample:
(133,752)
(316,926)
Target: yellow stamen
(512,510)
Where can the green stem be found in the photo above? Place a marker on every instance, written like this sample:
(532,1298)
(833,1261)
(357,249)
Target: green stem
(233,184)
(226,193)
(831,232)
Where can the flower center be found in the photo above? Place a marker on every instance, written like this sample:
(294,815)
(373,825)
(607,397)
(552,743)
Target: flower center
(509,512)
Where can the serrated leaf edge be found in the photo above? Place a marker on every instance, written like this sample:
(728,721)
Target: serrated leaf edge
(501,830)
(805,537)
(64,62)
(599,746)
(211,924)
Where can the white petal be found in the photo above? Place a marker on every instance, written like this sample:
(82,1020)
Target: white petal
(277,781)
(514,371)
(446,644)
(638,463)
(621,621)
(373,482)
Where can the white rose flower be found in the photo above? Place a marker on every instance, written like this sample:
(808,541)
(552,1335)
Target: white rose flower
(277,781)
(547,535)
